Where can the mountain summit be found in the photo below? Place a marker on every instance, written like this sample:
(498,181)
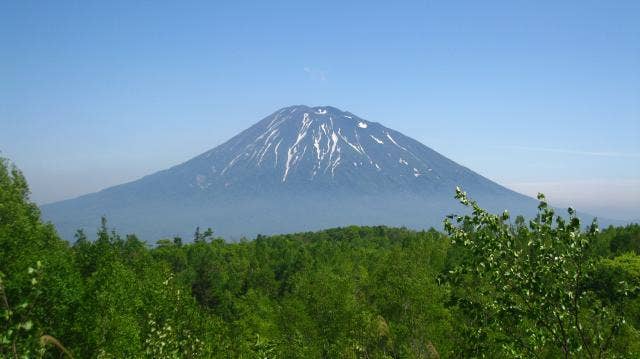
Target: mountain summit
(315,149)
(300,168)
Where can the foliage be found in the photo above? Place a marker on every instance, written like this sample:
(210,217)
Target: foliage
(620,240)
(529,288)
(499,290)
(18,336)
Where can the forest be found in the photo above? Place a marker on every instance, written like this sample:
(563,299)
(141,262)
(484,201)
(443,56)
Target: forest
(488,286)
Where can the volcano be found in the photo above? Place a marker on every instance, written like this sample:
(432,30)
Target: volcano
(301,168)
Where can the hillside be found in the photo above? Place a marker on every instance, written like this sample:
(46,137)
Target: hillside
(300,168)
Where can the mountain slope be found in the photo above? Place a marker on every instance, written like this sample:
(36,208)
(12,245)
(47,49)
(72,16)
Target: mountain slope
(300,168)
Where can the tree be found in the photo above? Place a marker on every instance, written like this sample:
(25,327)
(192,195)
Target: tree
(42,302)
(625,270)
(530,292)
(202,237)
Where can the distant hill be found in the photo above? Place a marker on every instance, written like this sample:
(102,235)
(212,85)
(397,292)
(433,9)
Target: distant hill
(300,168)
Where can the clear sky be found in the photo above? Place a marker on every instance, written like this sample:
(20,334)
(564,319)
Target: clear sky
(536,95)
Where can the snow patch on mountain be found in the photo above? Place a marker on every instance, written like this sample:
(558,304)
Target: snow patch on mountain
(377,140)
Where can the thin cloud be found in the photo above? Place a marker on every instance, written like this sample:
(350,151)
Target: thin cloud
(316,74)
(574,152)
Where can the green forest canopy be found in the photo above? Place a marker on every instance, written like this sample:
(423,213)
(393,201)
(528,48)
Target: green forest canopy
(489,287)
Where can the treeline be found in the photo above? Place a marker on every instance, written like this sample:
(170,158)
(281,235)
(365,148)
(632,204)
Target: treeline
(370,292)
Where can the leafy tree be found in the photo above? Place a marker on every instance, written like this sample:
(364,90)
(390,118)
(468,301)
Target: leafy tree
(24,241)
(531,298)
(200,237)
(621,240)
(617,283)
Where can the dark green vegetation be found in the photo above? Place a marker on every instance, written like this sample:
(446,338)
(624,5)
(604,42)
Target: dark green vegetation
(491,288)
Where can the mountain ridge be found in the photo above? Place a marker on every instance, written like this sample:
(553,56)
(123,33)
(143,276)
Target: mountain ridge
(299,168)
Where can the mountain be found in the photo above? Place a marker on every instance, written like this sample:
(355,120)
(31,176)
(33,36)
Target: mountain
(300,168)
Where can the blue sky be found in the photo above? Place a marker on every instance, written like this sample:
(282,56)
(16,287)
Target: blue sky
(537,95)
